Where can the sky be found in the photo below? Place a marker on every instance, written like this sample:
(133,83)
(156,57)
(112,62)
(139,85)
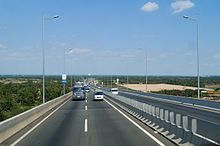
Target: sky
(109,37)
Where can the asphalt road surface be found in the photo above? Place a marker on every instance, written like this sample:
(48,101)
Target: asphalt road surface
(89,123)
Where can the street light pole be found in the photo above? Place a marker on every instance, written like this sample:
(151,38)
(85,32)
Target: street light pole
(71,73)
(111,81)
(64,70)
(43,51)
(197,46)
(146,72)
(43,55)
(127,74)
(197,50)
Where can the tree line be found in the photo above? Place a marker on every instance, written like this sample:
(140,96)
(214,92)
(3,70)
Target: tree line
(19,97)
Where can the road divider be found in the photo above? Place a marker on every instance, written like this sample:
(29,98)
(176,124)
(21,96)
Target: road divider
(201,103)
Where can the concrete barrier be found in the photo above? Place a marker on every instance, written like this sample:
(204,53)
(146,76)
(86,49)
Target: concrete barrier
(12,125)
(203,103)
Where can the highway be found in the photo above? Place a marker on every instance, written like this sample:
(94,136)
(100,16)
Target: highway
(90,123)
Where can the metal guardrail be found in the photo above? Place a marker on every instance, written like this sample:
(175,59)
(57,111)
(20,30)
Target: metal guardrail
(181,129)
(214,105)
(12,125)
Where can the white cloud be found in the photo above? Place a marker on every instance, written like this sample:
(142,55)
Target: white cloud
(57,43)
(78,51)
(16,55)
(181,5)
(127,56)
(187,54)
(150,7)
(217,56)
(2,46)
(163,56)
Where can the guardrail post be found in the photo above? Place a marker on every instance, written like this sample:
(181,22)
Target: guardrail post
(149,114)
(185,123)
(145,112)
(172,125)
(161,120)
(166,122)
(158,112)
(157,118)
(194,126)
(172,121)
(187,133)
(179,130)
(153,116)
(161,114)
(167,116)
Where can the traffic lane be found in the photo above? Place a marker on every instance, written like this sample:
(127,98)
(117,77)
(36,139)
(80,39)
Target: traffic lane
(190,111)
(65,127)
(108,127)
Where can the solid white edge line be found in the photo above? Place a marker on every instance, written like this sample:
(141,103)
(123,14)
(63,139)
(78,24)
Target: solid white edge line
(138,126)
(32,129)
(210,140)
(86,125)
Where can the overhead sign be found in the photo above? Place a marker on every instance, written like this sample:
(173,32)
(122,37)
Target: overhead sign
(117,81)
(63,77)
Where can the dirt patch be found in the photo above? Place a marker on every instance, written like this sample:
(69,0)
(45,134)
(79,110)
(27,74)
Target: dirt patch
(213,86)
(14,81)
(157,87)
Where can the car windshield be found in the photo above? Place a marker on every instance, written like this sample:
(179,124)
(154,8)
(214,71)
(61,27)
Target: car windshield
(114,90)
(77,90)
(99,93)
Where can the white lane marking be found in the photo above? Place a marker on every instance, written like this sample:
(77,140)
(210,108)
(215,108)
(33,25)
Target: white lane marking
(138,126)
(86,108)
(86,125)
(32,129)
(86,100)
(210,140)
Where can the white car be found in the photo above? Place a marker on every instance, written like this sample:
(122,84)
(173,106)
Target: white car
(114,91)
(98,95)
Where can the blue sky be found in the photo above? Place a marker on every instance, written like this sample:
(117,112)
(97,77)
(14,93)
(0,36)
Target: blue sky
(110,36)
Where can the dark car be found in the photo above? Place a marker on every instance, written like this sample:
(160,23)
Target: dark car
(78,94)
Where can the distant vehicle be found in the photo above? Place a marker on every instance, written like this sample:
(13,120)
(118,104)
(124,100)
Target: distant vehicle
(99,87)
(87,89)
(98,95)
(114,91)
(78,93)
